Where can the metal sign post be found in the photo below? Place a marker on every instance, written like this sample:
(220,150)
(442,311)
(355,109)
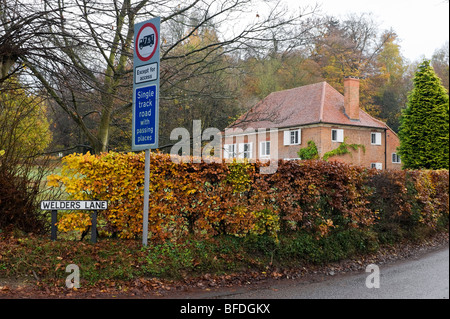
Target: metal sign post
(146,197)
(146,100)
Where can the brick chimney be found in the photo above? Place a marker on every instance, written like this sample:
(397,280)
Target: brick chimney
(351,97)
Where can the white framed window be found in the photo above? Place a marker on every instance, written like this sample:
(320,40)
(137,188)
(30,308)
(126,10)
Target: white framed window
(376,165)
(293,137)
(396,158)
(375,138)
(337,135)
(245,150)
(229,151)
(264,149)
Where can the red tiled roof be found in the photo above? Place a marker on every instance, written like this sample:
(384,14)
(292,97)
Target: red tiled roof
(310,104)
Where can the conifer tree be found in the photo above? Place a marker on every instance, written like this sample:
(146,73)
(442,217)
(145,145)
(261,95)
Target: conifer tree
(424,135)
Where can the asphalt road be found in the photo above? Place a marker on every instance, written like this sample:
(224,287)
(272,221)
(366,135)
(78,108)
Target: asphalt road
(423,277)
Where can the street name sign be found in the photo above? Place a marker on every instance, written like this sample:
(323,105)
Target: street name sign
(74,205)
(55,205)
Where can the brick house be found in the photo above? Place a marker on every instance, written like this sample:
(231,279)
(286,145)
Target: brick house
(315,112)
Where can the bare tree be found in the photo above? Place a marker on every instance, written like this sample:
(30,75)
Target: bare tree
(440,62)
(22,26)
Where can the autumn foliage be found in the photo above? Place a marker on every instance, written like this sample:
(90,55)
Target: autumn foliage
(208,199)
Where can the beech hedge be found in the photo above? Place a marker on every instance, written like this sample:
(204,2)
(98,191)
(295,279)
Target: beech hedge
(209,199)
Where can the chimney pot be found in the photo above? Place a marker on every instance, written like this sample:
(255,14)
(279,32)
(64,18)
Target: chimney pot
(351,97)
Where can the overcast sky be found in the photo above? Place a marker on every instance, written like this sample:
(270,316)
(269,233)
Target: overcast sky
(422,25)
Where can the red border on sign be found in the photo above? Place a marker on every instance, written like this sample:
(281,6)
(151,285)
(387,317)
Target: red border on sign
(136,42)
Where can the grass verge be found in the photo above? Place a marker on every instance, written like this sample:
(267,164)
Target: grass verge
(111,261)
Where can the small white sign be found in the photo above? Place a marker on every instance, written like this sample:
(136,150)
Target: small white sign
(74,205)
(146,73)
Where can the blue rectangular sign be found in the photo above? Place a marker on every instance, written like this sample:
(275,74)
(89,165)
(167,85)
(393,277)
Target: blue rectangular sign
(146,85)
(145,115)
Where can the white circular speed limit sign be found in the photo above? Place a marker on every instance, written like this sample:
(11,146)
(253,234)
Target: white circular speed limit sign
(146,42)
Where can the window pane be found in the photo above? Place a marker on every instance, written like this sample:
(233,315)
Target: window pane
(376,165)
(375,138)
(294,137)
(265,148)
(395,158)
(247,150)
